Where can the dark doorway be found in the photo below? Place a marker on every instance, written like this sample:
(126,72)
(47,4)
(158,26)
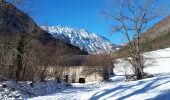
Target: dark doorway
(81,80)
(66,78)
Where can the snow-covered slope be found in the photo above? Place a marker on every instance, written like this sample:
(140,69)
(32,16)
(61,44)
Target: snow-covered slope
(155,88)
(89,42)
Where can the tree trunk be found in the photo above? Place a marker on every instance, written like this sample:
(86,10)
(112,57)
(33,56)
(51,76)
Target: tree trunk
(106,77)
(20,52)
(43,76)
(111,68)
(139,74)
(24,71)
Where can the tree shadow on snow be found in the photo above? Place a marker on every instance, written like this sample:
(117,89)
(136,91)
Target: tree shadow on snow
(163,96)
(123,88)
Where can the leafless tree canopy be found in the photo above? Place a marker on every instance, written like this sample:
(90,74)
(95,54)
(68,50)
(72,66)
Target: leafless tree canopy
(24,52)
(101,64)
(130,17)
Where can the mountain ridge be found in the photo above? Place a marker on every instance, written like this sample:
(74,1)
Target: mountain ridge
(90,42)
(14,23)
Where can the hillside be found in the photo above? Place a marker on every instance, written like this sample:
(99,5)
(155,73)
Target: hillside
(59,62)
(154,88)
(158,36)
(90,42)
(155,38)
(159,29)
(14,23)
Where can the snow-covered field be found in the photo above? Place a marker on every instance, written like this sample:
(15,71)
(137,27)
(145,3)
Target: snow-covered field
(155,88)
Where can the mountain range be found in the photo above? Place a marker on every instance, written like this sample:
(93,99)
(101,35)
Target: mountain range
(90,42)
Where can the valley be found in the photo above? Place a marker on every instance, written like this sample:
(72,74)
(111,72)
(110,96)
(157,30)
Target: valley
(84,50)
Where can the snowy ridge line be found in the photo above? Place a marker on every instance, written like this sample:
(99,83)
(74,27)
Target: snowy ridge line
(83,39)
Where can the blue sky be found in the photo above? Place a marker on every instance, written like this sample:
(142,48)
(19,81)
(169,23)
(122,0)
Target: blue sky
(75,13)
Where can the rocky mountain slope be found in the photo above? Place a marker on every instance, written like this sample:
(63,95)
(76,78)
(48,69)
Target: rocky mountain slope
(89,42)
(15,23)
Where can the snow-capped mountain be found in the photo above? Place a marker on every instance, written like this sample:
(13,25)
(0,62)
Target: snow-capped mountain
(89,42)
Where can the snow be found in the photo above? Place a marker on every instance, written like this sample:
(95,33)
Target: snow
(155,88)
(15,90)
(91,42)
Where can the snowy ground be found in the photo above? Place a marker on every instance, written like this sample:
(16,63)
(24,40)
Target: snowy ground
(157,88)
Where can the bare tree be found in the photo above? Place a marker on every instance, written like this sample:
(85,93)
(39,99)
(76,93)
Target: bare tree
(7,43)
(6,57)
(111,67)
(98,64)
(131,17)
